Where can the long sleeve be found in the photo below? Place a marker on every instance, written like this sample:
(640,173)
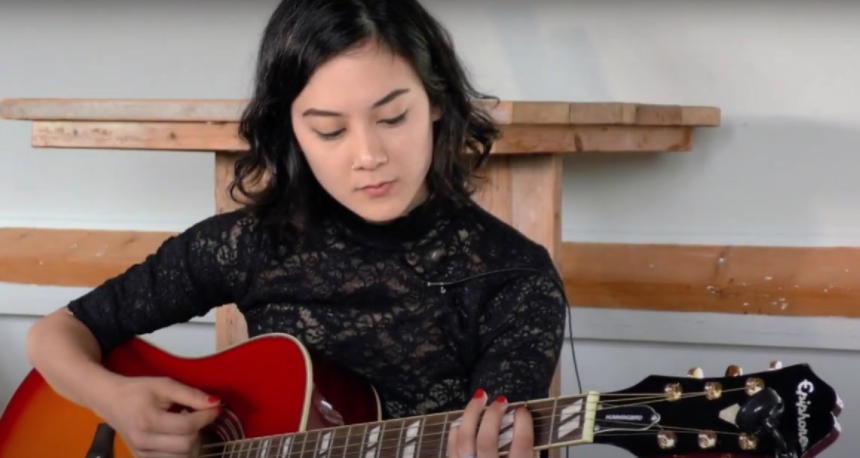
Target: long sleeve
(208,265)
(521,335)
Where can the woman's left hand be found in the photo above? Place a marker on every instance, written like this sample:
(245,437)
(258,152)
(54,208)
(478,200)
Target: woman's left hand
(477,437)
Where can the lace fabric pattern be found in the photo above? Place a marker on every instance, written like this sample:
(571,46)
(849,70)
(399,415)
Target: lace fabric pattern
(363,296)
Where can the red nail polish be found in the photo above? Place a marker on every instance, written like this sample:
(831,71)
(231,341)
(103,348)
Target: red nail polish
(501,399)
(213,399)
(478,394)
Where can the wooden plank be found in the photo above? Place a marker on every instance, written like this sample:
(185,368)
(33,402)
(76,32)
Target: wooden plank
(788,281)
(141,136)
(516,139)
(71,257)
(536,212)
(179,110)
(504,112)
(525,191)
(495,192)
(230,325)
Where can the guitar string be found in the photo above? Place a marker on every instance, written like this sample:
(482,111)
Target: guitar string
(256,443)
(264,443)
(647,398)
(266,450)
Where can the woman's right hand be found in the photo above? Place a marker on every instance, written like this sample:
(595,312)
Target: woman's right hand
(137,408)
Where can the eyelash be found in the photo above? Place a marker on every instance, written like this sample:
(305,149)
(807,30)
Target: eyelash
(391,122)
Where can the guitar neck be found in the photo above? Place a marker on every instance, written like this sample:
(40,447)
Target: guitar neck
(558,422)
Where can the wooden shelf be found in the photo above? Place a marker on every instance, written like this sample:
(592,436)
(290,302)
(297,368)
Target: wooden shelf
(211,125)
(744,280)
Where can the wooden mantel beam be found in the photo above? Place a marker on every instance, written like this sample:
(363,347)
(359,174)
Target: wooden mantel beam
(230,110)
(212,125)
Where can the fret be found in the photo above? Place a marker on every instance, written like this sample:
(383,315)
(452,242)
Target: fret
(324,443)
(446,432)
(263,448)
(390,439)
(285,446)
(410,437)
(542,417)
(240,449)
(568,419)
(506,430)
(305,437)
(362,440)
(347,444)
(336,443)
(552,421)
(430,443)
(398,452)
(372,440)
(313,442)
(229,450)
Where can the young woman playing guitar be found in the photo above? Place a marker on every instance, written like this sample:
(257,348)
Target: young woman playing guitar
(358,237)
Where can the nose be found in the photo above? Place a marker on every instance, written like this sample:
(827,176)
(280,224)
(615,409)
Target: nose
(369,151)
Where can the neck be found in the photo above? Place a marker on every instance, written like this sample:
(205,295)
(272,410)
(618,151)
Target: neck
(419,226)
(558,422)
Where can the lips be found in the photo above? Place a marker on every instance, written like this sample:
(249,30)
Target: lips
(377,189)
(379,185)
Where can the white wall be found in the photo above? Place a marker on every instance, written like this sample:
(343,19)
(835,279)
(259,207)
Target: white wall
(779,171)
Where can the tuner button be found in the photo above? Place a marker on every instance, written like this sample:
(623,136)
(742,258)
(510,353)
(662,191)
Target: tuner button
(696,372)
(774,365)
(666,439)
(734,371)
(707,439)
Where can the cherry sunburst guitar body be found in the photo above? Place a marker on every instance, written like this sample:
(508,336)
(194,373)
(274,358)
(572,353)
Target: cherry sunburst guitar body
(281,402)
(269,385)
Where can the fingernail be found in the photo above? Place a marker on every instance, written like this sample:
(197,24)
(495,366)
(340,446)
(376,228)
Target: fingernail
(213,399)
(501,399)
(479,394)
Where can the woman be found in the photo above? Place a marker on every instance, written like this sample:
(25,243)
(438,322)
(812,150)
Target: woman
(358,237)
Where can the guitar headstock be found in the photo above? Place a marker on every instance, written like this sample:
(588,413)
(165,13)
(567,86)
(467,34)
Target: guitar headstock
(783,413)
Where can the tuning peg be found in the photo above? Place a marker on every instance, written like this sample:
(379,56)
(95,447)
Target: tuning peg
(734,371)
(774,365)
(696,372)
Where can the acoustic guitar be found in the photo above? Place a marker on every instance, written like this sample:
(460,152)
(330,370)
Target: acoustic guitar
(280,402)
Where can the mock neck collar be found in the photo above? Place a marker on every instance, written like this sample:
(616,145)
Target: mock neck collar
(416,228)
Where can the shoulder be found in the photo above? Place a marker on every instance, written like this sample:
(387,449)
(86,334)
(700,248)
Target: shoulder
(235,238)
(515,270)
(236,224)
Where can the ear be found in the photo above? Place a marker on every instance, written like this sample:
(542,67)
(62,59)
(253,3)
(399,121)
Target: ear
(435,113)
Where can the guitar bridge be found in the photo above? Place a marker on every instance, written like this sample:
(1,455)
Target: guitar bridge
(102,445)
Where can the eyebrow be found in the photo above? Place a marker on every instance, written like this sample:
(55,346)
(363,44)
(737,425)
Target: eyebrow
(387,99)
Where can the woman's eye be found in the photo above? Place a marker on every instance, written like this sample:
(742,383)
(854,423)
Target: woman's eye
(337,133)
(394,121)
(330,135)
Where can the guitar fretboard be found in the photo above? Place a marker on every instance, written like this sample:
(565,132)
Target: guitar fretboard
(557,422)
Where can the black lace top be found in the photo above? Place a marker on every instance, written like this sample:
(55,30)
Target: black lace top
(423,307)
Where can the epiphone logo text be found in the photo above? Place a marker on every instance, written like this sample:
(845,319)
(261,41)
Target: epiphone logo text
(804,389)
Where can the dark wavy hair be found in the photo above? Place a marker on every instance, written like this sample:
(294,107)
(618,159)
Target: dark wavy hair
(274,178)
